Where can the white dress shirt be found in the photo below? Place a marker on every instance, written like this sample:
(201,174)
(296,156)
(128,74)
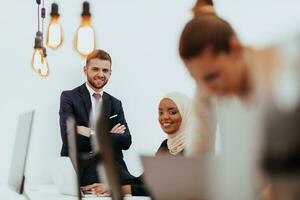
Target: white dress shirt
(96,106)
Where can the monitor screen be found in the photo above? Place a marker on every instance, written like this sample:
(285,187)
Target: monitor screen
(16,176)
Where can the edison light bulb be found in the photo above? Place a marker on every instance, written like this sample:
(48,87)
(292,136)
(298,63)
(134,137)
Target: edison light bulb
(37,57)
(37,60)
(85,36)
(44,70)
(54,35)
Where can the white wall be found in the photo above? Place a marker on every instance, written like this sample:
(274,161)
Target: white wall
(261,22)
(142,37)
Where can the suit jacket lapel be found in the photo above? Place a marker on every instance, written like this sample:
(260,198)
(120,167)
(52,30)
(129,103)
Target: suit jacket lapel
(106,103)
(86,98)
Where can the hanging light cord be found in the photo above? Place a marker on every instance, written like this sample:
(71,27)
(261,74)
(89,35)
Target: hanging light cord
(43,18)
(38,3)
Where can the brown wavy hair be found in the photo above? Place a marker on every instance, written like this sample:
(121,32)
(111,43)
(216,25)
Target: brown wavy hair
(200,6)
(205,30)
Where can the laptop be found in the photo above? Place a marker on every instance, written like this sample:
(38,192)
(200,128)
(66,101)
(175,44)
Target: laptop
(175,177)
(16,178)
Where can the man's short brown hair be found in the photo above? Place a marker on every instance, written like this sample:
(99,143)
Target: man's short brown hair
(100,54)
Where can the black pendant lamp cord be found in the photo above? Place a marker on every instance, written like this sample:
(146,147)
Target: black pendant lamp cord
(41,15)
(38,3)
(43,18)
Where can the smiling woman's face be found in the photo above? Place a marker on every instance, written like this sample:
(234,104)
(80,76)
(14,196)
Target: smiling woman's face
(169,116)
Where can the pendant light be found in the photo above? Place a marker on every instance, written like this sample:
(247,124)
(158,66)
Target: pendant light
(54,35)
(85,35)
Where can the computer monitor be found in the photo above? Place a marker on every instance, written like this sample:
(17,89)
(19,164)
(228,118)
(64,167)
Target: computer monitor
(16,176)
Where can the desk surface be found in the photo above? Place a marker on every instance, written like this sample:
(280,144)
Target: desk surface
(7,193)
(49,192)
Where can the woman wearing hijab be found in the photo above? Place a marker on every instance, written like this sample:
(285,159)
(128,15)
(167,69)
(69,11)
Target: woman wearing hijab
(175,118)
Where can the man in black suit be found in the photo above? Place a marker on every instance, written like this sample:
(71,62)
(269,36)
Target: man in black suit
(83,104)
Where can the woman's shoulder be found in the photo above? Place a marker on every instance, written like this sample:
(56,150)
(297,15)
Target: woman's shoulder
(164,143)
(163,148)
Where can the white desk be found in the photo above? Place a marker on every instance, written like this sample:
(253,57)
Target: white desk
(7,193)
(49,192)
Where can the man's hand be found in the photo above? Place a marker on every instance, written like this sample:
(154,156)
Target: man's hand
(82,130)
(118,129)
(99,189)
(126,189)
